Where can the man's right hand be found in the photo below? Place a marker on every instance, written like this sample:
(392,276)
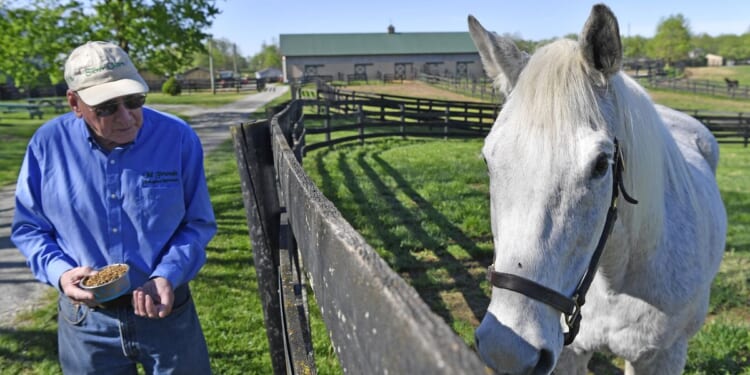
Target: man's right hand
(70,285)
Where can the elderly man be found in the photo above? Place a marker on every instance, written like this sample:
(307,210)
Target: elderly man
(115,182)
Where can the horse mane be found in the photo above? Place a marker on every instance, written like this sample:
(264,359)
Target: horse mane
(558,92)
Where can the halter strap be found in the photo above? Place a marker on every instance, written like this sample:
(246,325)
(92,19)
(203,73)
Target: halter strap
(570,306)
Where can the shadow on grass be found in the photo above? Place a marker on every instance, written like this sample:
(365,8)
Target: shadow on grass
(376,206)
(738,210)
(25,348)
(465,282)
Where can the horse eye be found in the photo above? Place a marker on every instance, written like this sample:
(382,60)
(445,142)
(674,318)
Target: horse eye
(601,166)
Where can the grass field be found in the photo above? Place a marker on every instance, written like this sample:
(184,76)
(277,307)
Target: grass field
(717,74)
(428,219)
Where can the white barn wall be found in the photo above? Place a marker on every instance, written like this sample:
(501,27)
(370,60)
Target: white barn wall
(336,66)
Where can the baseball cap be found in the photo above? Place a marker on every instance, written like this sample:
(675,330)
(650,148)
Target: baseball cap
(100,71)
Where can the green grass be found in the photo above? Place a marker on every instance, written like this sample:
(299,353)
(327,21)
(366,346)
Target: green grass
(717,74)
(684,101)
(203,99)
(15,131)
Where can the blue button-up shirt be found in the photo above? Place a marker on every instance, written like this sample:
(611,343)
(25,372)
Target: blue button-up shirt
(145,203)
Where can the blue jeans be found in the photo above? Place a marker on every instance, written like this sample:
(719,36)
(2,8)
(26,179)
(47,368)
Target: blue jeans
(113,341)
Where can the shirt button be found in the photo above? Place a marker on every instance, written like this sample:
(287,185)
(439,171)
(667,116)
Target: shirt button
(114,230)
(111,162)
(113,196)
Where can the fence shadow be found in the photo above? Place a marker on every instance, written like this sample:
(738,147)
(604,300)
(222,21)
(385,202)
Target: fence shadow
(39,345)
(377,208)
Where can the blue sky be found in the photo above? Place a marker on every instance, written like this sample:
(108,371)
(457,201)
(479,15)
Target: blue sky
(251,23)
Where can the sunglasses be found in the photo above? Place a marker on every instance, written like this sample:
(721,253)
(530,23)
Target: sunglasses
(109,107)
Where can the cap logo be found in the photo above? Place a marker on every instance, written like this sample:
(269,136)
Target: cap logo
(108,66)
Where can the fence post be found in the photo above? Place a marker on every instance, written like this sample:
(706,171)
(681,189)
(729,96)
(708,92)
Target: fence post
(745,130)
(361,120)
(447,120)
(382,107)
(401,107)
(254,154)
(327,124)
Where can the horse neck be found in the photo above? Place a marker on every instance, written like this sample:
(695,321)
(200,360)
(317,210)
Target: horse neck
(648,168)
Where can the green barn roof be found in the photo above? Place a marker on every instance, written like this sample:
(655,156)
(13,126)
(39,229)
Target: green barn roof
(376,44)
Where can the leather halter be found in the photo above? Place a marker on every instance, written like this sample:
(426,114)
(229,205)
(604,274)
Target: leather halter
(570,306)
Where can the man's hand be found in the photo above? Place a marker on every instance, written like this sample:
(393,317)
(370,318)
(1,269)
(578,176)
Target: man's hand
(70,284)
(154,299)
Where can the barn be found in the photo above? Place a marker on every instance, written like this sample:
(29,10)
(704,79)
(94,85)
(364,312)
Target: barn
(375,56)
(714,60)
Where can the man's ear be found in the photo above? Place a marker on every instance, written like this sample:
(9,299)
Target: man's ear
(74,103)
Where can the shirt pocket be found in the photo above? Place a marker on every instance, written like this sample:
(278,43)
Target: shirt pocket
(161,208)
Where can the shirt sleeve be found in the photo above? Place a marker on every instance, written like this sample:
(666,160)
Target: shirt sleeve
(31,230)
(186,251)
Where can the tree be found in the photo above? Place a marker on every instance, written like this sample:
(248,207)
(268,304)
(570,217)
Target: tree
(672,40)
(36,39)
(161,36)
(634,47)
(224,55)
(732,47)
(268,57)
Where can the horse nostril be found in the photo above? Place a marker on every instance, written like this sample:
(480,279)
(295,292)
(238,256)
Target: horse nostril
(546,362)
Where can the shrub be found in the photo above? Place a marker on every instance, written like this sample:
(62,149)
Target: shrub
(171,87)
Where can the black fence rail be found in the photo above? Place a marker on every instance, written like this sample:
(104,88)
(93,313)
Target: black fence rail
(726,127)
(701,87)
(476,87)
(362,115)
(377,322)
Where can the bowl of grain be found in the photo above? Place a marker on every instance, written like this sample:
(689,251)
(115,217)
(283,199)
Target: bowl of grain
(109,282)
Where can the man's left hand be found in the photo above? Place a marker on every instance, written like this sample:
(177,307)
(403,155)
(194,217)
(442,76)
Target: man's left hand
(154,299)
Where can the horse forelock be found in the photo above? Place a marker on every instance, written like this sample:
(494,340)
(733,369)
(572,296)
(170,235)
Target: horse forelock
(555,93)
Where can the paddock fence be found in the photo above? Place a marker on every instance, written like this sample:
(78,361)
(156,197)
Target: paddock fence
(476,87)
(376,321)
(700,87)
(727,127)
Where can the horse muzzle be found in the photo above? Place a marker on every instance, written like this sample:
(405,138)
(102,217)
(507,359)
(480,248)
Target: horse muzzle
(506,352)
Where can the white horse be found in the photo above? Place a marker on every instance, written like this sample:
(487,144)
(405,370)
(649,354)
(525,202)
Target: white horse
(574,135)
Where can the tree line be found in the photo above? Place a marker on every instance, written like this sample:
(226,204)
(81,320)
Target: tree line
(673,41)
(165,37)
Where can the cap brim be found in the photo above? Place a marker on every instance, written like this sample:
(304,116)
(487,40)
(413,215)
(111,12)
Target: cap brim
(101,93)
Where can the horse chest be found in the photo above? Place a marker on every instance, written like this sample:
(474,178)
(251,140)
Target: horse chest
(628,326)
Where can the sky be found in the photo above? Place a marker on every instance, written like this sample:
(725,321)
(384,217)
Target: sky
(251,23)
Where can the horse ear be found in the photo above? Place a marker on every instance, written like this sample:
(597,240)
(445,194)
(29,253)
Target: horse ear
(600,41)
(501,58)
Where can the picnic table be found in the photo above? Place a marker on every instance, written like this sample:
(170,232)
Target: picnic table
(34,109)
(60,104)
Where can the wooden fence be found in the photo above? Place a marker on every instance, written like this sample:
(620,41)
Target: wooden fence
(700,87)
(481,88)
(376,115)
(377,322)
(726,127)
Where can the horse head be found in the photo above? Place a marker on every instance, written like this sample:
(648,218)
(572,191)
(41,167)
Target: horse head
(552,157)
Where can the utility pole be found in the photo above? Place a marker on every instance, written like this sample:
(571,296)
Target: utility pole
(234,59)
(211,64)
